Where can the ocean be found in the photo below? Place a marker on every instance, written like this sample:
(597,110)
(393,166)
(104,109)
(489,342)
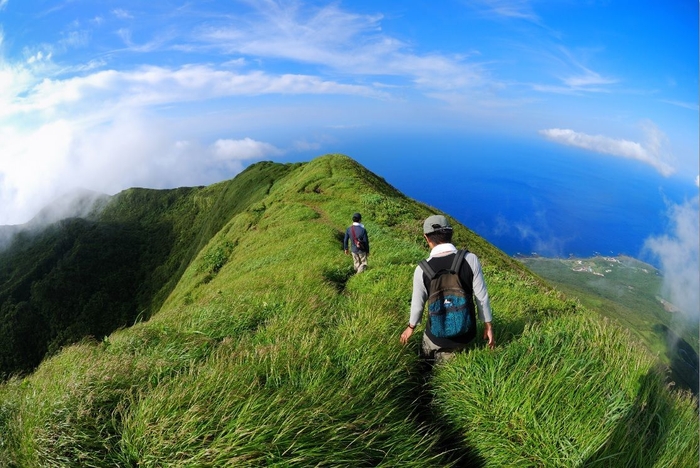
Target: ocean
(531,196)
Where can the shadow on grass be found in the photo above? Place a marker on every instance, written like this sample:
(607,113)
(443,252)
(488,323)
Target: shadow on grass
(339,277)
(683,358)
(452,449)
(641,433)
(507,331)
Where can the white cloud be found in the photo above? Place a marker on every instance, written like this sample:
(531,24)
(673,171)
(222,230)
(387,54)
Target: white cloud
(39,57)
(100,130)
(153,45)
(519,9)
(653,152)
(686,105)
(586,79)
(122,14)
(148,86)
(239,150)
(576,76)
(678,253)
(303,146)
(132,149)
(331,37)
(3,4)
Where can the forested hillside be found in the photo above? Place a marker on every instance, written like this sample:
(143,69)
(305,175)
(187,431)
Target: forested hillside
(86,277)
(253,344)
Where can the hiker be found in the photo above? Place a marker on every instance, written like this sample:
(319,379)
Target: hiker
(451,323)
(359,245)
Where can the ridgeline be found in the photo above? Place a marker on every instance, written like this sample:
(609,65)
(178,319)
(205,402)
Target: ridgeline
(223,326)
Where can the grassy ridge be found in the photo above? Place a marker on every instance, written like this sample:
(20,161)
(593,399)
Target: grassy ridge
(269,352)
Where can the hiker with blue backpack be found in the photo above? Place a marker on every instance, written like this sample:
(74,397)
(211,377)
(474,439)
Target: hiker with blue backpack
(357,239)
(448,281)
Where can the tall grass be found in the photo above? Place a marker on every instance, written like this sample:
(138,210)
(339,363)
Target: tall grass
(570,391)
(270,352)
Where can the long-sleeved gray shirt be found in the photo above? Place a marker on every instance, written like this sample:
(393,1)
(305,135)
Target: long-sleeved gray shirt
(420,293)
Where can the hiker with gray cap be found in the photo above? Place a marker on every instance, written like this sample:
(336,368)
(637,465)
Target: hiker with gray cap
(448,281)
(357,239)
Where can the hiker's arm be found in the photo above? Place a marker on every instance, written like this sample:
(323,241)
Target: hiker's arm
(417,303)
(483,303)
(345,242)
(488,335)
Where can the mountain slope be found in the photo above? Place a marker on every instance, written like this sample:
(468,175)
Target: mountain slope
(80,277)
(269,352)
(627,290)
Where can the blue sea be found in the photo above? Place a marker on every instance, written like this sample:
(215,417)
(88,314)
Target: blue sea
(530,196)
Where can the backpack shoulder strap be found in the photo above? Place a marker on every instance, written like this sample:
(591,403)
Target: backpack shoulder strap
(427,269)
(456,264)
(459,258)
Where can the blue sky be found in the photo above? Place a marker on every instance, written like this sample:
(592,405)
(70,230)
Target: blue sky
(114,94)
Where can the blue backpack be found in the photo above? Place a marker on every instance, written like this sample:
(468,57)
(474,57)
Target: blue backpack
(448,310)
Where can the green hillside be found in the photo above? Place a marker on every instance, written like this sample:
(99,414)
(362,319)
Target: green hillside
(89,276)
(630,291)
(263,349)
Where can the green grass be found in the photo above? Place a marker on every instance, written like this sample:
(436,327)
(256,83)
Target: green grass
(629,291)
(270,352)
(556,397)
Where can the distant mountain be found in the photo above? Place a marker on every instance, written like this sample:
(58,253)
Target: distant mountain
(223,326)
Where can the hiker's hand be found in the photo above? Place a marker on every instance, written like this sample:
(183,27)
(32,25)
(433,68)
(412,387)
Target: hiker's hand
(488,335)
(406,335)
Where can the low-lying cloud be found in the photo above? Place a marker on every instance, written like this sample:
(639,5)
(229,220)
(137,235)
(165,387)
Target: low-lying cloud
(536,231)
(39,165)
(679,257)
(654,151)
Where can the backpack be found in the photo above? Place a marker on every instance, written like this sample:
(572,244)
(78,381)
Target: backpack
(448,309)
(361,245)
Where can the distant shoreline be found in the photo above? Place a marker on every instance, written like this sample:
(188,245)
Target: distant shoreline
(596,255)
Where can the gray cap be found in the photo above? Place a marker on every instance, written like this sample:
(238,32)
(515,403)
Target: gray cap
(435,223)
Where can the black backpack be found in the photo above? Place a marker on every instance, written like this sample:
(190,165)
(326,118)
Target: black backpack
(448,309)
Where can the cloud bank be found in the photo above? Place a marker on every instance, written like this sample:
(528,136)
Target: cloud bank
(40,164)
(679,257)
(653,151)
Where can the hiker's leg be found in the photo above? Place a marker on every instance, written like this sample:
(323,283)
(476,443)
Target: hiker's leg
(434,353)
(443,356)
(355,261)
(428,348)
(363,262)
